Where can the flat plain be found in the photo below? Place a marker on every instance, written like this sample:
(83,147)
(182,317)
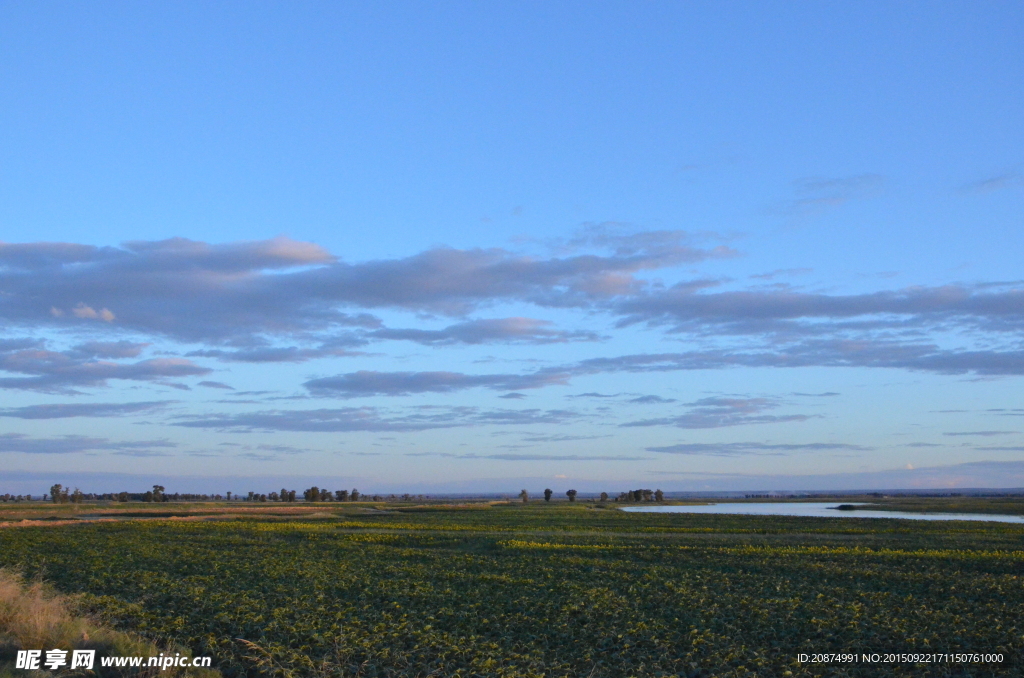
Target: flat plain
(560,589)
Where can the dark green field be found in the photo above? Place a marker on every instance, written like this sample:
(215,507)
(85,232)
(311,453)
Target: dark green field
(545,590)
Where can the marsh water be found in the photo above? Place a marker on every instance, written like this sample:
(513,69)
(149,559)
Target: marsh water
(817,510)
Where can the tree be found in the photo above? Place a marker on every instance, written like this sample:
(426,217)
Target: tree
(58,493)
(229,496)
(604,496)
(77,496)
(291,495)
(571,494)
(547,494)
(325,495)
(525,496)
(659,495)
(312,494)
(158,493)
(354,494)
(341,495)
(284,494)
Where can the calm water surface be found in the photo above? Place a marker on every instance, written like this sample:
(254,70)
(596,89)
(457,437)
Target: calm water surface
(817,510)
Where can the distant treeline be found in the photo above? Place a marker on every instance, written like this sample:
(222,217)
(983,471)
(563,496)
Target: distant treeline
(638,495)
(631,496)
(59,494)
(317,494)
(62,495)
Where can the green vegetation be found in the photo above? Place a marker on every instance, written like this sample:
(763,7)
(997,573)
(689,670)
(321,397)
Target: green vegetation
(543,589)
(1003,505)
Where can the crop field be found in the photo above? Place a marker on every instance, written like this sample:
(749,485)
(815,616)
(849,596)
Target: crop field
(544,590)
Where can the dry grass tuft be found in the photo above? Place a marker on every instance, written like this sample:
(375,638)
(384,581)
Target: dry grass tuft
(35,617)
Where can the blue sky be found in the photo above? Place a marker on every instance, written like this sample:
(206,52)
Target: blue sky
(478,245)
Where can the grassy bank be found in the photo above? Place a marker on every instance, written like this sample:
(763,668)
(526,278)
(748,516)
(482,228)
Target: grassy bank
(33,616)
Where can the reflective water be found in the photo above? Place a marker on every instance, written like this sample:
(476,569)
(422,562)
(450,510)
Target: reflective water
(817,510)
